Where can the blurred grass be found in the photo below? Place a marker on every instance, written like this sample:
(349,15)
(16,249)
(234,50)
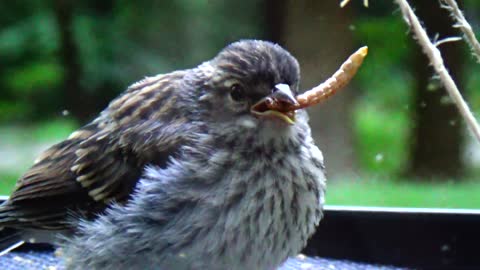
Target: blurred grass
(20,145)
(377,192)
(56,130)
(48,131)
(382,136)
(7,182)
(402,193)
(381,155)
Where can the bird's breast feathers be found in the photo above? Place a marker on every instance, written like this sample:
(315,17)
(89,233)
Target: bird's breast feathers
(271,204)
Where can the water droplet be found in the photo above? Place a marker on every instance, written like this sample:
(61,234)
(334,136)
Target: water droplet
(352,27)
(65,112)
(433,85)
(445,100)
(379,157)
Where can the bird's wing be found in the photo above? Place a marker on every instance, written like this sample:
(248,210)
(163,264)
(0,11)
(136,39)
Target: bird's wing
(100,162)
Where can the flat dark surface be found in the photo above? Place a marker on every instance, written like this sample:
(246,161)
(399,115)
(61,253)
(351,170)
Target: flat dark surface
(407,237)
(368,238)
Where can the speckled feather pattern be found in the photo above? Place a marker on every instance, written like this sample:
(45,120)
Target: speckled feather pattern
(243,204)
(176,174)
(100,162)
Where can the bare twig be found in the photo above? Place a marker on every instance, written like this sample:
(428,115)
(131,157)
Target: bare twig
(436,61)
(463,24)
(446,40)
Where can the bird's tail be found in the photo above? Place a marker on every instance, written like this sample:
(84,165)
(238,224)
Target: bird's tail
(10,239)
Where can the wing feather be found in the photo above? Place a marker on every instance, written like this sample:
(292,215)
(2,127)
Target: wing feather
(102,161)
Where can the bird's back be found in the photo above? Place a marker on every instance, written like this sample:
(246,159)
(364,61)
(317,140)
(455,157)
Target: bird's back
(100,162)
(50,190)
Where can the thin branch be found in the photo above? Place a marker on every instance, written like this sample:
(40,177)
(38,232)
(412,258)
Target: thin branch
(446,40)
(463,24)
(436,61)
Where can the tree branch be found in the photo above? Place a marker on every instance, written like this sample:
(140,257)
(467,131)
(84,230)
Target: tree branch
(463,24)
(436,61)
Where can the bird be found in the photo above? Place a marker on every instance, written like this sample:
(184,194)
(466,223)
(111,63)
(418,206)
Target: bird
(186,170)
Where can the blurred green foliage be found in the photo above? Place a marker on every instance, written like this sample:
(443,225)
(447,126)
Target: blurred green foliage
(8,182)
(118,43)
(55,130)
(122,41)
(383,134)
(381,114)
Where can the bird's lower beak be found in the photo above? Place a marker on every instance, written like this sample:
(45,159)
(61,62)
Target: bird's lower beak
(281,95)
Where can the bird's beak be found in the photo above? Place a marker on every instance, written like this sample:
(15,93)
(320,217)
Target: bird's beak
(281,94)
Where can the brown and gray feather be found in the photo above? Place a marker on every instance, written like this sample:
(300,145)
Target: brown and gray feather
(102,161)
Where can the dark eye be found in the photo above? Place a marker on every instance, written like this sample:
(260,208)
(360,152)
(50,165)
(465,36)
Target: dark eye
(237,93)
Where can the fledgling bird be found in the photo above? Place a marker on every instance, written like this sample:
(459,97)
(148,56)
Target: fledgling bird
(186,170)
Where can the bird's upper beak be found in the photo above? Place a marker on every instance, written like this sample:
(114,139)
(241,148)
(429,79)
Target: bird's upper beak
(281,94)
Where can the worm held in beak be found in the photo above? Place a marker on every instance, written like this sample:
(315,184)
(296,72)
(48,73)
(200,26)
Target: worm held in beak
(286,106)
(271,106)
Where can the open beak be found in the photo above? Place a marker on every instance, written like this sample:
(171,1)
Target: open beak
(282,95)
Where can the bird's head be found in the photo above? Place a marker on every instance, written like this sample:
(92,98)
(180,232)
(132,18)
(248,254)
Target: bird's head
(243,77)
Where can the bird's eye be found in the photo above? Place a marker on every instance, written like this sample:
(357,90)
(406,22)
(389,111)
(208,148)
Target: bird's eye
(237,93)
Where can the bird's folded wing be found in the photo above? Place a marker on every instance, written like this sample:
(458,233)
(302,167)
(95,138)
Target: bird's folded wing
(100,162)
(74,176)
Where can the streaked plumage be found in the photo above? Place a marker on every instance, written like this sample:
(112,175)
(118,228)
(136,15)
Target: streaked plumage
(177,173)
(102,161)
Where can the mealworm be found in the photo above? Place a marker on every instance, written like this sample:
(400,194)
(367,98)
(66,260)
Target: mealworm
(326,89)
(336,82)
